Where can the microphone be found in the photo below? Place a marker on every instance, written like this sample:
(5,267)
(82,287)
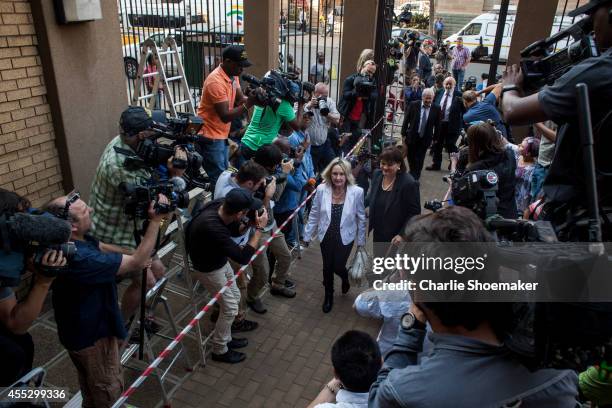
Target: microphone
(44,229)
(178,184)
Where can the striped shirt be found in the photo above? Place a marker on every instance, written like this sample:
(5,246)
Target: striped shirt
(460,57)
(109,222)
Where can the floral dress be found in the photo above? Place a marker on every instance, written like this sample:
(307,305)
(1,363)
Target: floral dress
(522,190)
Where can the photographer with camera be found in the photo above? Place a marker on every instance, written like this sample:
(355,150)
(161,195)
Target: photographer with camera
(468,354)
(356,104)
(16,346)
(209,244)
(89,322)
(251,177)
(424,67)
(461,57)
(566,183)
(325,117)
(476,111)
(109,221)
(278,170)
(442,55)
(266,121)
(222,101)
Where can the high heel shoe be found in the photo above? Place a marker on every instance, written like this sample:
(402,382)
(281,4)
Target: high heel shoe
(328,302)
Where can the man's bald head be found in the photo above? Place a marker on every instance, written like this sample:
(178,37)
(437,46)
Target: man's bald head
(321,89)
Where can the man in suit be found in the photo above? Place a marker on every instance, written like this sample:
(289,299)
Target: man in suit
(420,124)
(451,118)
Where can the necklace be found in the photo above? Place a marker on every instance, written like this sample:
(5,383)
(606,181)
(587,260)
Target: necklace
(388,187)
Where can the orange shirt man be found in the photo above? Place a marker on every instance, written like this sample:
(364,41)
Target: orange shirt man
(222,101)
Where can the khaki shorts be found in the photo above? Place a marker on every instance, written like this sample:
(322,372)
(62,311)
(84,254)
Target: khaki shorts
(100,372)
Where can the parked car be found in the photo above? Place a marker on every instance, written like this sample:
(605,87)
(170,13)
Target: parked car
(131,55)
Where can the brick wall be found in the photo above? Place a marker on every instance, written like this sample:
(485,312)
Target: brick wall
(29,162)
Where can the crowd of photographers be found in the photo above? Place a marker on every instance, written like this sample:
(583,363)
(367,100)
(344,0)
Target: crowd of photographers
(291,146)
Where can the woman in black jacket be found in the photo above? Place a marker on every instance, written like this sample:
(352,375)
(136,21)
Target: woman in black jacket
(393,199)
(486,151)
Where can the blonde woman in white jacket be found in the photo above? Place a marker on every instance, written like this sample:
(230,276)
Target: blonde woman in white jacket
(338,219)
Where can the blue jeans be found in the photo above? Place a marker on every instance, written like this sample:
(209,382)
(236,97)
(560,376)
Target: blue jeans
(458,74)
(537,180)
(214,153)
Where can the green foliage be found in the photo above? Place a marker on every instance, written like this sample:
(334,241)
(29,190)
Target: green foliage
(420,21)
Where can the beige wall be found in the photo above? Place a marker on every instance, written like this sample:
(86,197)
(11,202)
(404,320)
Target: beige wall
(359,32)
(261,34)
(29,160)
(85,84)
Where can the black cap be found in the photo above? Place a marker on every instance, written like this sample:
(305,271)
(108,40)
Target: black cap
(588,8)
(237,54)
(239,199)
(135,119)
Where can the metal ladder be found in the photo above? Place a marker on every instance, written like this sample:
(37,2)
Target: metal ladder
(169,48)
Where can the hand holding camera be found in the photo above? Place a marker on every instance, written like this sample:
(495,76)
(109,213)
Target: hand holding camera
(178,162)
(270,189)
(51,265)
(156,213)
(314,103)
(261,220)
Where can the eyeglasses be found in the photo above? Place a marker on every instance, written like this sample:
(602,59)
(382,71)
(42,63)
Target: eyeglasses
(72,198)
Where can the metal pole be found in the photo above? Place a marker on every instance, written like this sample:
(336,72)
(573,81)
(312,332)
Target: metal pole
(499,35)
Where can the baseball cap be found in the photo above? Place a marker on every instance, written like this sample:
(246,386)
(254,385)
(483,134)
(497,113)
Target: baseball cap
(239,199)
(135,119)
(237,54)
(588,8)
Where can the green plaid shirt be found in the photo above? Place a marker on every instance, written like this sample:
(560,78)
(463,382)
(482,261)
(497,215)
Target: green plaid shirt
(109,222)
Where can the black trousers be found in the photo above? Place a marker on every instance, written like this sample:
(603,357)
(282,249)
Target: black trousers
(447,141)
(335,256)
(416,158)
(16,355)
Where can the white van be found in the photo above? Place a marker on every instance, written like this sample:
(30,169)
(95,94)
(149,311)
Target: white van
(485,27)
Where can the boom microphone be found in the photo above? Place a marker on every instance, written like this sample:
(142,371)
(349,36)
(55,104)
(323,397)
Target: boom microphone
(44,229)
(178,184)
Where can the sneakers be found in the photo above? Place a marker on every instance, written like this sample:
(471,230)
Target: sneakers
(230,357)
(244,325)
(237,343)
(257,306)
(283,290)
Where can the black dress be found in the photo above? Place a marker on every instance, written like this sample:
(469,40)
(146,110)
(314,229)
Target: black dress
(335,254)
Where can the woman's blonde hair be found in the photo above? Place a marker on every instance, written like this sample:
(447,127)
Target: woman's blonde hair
(346,168)
(366,54)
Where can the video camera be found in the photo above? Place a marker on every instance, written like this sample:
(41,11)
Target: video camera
(542,66)
(22,235)
(476,190)
(278,86)
(137,198)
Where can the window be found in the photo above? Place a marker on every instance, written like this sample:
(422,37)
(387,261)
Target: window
(472,29)
(492,30)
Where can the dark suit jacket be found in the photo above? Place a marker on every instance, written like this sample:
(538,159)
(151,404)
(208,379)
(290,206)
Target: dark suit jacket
(455,116)
(412,121)
(404,204)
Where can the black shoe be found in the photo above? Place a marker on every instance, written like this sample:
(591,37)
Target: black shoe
(257,306)
(432,168)
(328,303)
(237,343)
(230,356)
(289,284)
(244,325)
(345,286)
(278,290)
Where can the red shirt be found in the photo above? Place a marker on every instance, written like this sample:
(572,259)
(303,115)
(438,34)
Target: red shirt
(357,110)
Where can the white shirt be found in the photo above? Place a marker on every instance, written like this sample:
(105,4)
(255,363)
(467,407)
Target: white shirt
(330,18)
(347,399)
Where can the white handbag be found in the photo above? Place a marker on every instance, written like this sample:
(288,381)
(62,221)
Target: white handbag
(359,267)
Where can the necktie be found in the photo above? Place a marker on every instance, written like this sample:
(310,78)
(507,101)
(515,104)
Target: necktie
(444,105)
(423,123)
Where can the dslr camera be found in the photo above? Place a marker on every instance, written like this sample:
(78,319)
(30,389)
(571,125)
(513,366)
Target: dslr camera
(261,191)
(323,106)
(137,199)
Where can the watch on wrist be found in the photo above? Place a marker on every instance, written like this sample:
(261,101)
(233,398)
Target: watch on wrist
(509,88)
(409,322)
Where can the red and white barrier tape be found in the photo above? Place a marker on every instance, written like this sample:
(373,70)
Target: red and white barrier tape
(143,376)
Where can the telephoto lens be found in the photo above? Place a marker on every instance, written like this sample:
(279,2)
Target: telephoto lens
(323,107)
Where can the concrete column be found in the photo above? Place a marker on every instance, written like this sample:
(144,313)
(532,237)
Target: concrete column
(358,32)
(534,20)
(261,19)
(86,88)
